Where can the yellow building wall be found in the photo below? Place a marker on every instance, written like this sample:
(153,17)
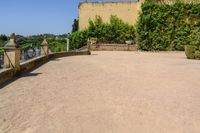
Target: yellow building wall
(127,11)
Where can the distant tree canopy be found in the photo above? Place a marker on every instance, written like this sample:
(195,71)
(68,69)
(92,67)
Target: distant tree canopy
(57,43)
(75,26)
(3,39)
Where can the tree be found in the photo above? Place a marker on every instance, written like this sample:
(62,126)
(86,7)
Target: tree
(3,37)
(75,26)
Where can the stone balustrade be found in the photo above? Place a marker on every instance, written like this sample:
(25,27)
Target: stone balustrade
(13,67)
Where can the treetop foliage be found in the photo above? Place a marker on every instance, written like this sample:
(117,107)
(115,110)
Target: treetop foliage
(56,42)
(116,31)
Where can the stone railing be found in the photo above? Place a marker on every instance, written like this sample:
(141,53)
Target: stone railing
(11,59)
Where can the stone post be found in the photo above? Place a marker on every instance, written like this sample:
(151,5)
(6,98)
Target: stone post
(128,47)
(67,44)
(12,53)
(89,46)
(128,44)
(45,47)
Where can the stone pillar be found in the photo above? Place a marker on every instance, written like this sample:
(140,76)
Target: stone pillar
(12,53)
(67,44)
(128,44)
(45,47)
(89,46)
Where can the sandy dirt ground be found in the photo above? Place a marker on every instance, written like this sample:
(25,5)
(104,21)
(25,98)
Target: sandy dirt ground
(107,92)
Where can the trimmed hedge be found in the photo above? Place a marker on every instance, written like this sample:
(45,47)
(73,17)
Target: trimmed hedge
(168,27)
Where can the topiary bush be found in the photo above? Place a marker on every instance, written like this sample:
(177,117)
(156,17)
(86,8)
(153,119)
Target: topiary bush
(197,54)
(163,27)
(190,51)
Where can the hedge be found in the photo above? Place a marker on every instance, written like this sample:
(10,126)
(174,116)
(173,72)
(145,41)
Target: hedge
(168,27)
(116,31)
(78,39)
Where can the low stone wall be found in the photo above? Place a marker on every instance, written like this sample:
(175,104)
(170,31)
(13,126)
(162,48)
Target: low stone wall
(6,74)
(113,47)
(64,54)
(30,64)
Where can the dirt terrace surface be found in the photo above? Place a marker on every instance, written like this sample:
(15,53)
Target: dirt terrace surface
(107,92)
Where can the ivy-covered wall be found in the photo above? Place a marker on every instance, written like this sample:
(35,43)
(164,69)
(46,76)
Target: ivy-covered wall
(168,27)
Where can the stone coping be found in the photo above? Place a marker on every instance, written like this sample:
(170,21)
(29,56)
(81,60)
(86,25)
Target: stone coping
(3,70)
(31,60)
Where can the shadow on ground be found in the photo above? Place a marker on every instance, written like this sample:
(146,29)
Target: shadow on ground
(24,74)
(55,59)
(27,74)
(30,74)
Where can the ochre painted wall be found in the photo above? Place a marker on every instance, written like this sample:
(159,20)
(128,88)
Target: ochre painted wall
(127,11)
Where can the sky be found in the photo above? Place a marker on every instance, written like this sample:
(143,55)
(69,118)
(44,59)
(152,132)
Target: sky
(31,17)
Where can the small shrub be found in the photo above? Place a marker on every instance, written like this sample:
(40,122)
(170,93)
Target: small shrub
(190,51)
(1,50)
(57,45)
(197,54)
(78,39)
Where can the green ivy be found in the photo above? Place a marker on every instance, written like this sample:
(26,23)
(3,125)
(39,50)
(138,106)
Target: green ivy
(168,27)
